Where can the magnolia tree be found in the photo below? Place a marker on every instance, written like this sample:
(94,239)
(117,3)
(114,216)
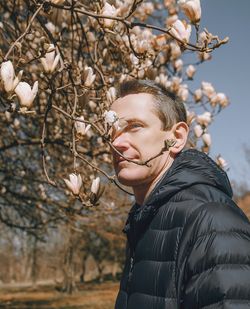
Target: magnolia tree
(60,61)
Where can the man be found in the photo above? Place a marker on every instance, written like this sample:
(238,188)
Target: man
(188,243)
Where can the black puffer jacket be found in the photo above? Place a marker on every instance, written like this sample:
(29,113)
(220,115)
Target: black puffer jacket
(189,245)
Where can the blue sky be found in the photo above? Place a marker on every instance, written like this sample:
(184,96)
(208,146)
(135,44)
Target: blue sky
(229,72)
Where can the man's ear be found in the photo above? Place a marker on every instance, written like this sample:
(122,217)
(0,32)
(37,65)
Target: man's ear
(180,135)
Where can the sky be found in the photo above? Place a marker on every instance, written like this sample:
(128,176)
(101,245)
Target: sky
(229,71)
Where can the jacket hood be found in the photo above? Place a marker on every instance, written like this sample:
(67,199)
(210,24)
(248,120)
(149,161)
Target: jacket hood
(189,168)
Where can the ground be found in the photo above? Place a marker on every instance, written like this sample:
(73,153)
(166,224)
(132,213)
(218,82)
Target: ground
(88,296)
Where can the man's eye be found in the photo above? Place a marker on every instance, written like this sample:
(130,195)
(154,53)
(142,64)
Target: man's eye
(135,125)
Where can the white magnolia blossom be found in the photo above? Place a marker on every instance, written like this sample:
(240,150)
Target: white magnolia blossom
(192,9)
(207,89)
(206,137)
(108,10)
(175,50)
(181,30)
(95,185)
(190,71)
(171,19)
(110,117)
(162,79)
(25,94)
(204,119)
(220,98)
(50,60)
(8,77)
(74,183)
(51,27)
(178,65)
(221,161)
(89,76)
(111,94)
(81,127)
(183,92)
(198,131)
(198,95)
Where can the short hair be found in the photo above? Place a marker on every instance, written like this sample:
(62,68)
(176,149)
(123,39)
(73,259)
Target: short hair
(169,108)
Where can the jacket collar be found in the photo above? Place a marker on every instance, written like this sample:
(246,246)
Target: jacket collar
(190,167)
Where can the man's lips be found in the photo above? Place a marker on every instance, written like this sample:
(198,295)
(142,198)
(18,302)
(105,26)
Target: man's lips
(121,159)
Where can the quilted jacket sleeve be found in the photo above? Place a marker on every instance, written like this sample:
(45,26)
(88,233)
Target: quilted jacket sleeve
(217,263)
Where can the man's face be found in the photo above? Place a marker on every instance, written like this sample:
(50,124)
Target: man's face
(141,138)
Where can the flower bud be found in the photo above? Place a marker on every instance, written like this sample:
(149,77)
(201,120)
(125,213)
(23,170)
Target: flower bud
(74,183)
(50,60)
(190,71)
(95,185)
(206,137)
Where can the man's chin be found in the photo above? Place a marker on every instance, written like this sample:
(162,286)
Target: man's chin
(127,179)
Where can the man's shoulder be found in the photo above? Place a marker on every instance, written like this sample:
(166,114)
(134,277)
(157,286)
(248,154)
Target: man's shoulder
(217,217)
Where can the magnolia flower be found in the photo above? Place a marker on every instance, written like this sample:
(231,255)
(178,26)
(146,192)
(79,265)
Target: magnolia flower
(110,117)
(208,89)
(192,9)
(74,183)
(181,30)
(81,127)
(198,131)
(161,79)
(204,119)
(178,65)
(111,94)
(89,76)
(171,19)
(108,10)
(198,95)
(51,59)
(175,50)
(190,71)
(25,94)
(203,56)
(220,98)
(95,185)
(183,92)
(206,137)
(221,162)
(8,78)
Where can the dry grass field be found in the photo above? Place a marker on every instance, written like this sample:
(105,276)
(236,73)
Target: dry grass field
(88,296)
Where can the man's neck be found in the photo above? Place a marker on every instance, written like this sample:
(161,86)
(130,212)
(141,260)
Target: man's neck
(142,192)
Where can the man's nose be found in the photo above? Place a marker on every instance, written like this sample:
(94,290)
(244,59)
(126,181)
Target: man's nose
(120,142)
